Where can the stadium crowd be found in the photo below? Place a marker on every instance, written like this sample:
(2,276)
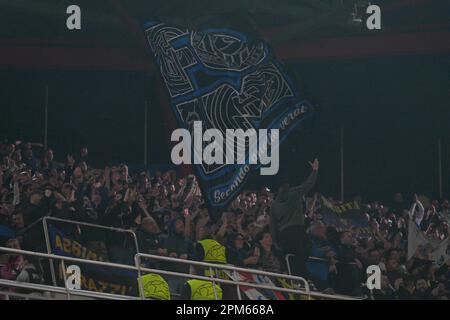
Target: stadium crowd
(170,217)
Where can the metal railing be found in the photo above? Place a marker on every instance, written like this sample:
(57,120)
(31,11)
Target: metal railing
(216,267)
(73,222)
(138,267)
(50,218)
(66,290)
(21,296)
(288,256)
(99,295)
(54,289)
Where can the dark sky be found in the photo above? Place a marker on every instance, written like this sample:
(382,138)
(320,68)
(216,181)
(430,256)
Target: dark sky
(392,110)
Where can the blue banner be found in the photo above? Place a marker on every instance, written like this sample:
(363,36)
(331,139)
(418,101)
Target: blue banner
(227,81)
(345,217)
(93,278)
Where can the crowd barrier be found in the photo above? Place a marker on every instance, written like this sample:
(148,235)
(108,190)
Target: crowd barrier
(289,256)
(300,286)
(47,219)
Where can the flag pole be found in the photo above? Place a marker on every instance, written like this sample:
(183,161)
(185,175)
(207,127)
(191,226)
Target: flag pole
(342,161)
(145,132)
(46,118)
(440,166)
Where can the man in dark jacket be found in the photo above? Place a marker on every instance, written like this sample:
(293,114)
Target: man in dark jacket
(287,221)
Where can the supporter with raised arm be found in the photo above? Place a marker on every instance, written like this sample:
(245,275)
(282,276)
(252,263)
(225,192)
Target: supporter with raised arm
(288,220)
(417,215)
(168,214)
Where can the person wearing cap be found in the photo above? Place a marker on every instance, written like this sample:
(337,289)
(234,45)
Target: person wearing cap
(287,221)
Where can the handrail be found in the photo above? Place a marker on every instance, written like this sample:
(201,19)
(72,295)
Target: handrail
(47,240)
(233,282)
(139,268)
(247,284)
(48,244)
(326,260)
(290,255)
(29,227)
(87,224)
(72,259)
(128,267)
(10,294)
(93,225)
(139,255)
(224,267)
(157,271)
(78,292)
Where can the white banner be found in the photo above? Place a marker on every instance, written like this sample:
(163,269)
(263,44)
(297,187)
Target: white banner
(427,248)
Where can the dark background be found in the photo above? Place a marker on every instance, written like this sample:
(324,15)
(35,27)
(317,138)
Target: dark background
(392,104)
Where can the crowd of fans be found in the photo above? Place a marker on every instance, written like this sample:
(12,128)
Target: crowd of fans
(169,217)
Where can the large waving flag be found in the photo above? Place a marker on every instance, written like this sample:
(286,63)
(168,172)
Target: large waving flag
(227,81)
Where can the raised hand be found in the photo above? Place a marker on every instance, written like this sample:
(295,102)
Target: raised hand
(314,165)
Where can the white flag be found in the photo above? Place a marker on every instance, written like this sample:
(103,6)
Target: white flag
(429,249)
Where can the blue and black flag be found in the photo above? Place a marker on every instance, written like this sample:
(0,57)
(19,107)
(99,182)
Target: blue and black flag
(227,81)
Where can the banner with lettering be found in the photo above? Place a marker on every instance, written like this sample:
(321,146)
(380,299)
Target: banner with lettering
(226,81)
(93,278)
(345,217)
